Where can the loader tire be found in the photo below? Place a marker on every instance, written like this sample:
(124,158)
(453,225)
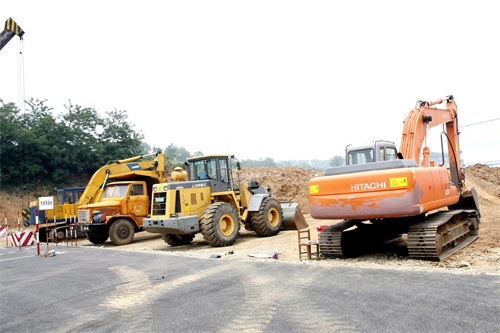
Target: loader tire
(268,221)
(177,240)
(121,232)
(220,224)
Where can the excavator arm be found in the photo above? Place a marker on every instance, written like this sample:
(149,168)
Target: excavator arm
(122,170)
(11,29)
(414,135)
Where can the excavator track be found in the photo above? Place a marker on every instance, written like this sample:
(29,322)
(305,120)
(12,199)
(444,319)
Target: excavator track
(436,238)
(330,245)
(341,240)
(442,234)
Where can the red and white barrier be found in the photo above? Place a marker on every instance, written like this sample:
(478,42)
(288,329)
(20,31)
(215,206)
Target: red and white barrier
(23,238)
(4,230)
(37,233)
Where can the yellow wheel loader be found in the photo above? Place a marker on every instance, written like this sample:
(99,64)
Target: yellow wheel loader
(209,198)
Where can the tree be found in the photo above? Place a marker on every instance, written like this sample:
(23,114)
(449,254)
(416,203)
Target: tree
(197,153)
(118,138)
(176,154)
(38,148)
(83,129)
(10,144)
(337,160)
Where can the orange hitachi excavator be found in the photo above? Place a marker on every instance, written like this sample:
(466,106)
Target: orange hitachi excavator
(382,201)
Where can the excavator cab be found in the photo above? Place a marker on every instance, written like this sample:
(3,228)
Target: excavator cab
(376,151)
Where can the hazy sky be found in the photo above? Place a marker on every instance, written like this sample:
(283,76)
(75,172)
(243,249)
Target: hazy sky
(281,79)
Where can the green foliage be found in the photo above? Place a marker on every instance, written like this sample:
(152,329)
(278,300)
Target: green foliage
(337,160)
(176,154)
(38,148)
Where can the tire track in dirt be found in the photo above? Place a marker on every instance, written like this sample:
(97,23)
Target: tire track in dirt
(138,290)
(316,318)
(264,299)
(259,305)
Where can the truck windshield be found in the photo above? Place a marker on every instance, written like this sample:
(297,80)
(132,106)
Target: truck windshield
(115,191)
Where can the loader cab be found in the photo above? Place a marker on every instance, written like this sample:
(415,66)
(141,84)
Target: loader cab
(376,151)
(216,168)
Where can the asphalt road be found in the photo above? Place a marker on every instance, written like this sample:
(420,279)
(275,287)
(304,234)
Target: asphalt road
(84,289)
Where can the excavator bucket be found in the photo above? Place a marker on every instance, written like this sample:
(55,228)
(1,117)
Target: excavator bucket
(293,219)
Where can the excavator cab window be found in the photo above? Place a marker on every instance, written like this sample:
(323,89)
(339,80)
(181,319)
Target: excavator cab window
(391,154)
(60,196)
(361,156)
(78,194)
(387,154)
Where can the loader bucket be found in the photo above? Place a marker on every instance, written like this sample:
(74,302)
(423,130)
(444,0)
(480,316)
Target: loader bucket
(293,219)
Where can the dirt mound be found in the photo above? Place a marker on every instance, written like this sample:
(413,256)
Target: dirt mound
(287,183)
(488,178)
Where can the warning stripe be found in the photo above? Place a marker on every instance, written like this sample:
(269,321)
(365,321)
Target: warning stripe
(3,231)
(23,238)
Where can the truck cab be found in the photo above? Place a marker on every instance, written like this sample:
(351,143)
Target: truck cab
(118,214)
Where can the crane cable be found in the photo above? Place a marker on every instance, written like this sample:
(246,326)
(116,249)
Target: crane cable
(22,106)
(20,74)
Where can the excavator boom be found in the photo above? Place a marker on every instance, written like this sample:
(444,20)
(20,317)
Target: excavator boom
(416,125)
(122,170)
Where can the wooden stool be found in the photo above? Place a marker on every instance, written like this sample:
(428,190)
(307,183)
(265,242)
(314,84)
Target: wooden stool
(306,245)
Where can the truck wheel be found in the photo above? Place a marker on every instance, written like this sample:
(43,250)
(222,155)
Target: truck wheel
(268,221)
(220,224)
(97,237)
(177,240)
(121,232)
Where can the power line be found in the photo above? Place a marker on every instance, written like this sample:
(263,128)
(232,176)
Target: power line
(481,122)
